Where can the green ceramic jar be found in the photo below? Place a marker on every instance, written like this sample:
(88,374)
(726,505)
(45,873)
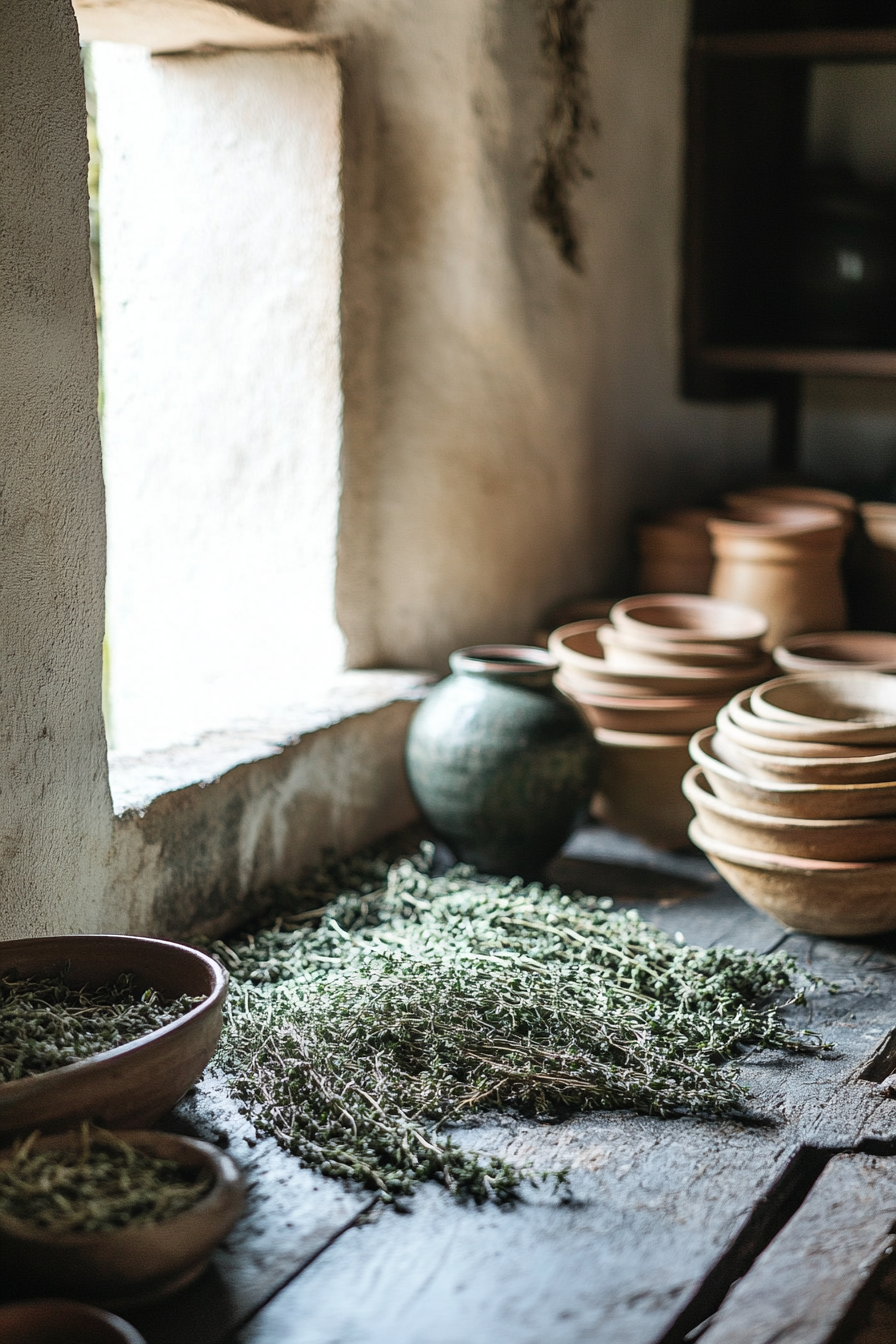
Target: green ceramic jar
(501,765)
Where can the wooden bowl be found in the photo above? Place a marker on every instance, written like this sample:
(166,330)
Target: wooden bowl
(862,839)
(770,767)
(780,746)
(59,1322)
(838,900)
(688,619)
(132,1265)
(579,654)
(806,801)
(815,704)
(640,714)
(833,734)
(873,650)
(134,1084)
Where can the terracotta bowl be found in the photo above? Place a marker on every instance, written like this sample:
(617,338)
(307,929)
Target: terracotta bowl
(640,785)
(862,703)
(132,1265)
(873,650)
(779,746)
(663,657)
(770,767)
(863,838)
(640,714)
(839,900)
(133,1084)
(806,801)
(688,619)
(573,646)
(570,610)
(834,734)
(60,1322)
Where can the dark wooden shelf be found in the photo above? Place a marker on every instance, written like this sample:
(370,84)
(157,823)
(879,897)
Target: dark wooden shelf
(815,44)
(790,359)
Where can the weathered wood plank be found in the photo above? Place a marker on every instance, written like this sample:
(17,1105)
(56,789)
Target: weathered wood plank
(804,1283)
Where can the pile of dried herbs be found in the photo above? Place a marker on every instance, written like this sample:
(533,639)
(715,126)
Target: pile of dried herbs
(413,1001)
(102,1185)
(46,1023)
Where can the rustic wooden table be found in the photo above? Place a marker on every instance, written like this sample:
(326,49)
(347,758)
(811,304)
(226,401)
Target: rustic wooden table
(669,1230)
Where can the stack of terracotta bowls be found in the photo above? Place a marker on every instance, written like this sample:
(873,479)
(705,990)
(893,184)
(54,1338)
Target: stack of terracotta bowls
(795,794)
(838,651)
(660,667)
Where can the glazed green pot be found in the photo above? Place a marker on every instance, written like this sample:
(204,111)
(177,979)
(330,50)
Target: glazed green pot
(501,765)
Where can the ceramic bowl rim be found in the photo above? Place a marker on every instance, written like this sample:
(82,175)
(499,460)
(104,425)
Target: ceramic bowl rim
(701,757)
(786,863)
(755,622)
(789,717)
(696,791)
(508,660)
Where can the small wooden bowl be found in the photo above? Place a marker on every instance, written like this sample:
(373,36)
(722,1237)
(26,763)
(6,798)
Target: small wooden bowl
(815,704)
(838,900)
(688,618)
(133,1265)
(134,1084)
(861,839)
(807,801)
(60,1322)
(839,651)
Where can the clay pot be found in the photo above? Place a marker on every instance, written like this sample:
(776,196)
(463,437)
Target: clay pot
(880,524)
(500,763)
(777,746)
(811,495)
(839,900)
(771,767)
(655,619)
(134,1084)
(811,706)
(573,646)
(787,569)
(60,1322)
(874,598)
(621,656)
(862,838)
(675,553)
(642,714)
(784,799)
(873,650)
(131,1265)
(640,785)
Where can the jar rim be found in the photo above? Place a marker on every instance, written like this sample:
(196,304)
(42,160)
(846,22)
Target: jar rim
(507,660)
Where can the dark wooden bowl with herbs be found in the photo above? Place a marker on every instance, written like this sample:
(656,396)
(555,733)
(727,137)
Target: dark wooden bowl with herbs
(118,1219)
(102,1027)
(53,1321)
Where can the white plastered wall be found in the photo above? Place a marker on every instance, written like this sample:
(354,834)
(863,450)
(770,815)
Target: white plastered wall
(221,242)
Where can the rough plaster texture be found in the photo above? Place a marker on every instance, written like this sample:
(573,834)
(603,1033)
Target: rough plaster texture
(203,832)
(55,816)
(220,254)
(505,416)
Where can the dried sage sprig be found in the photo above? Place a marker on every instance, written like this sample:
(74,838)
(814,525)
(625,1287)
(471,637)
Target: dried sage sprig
(103,1185)
(418,1000)
(47,1023)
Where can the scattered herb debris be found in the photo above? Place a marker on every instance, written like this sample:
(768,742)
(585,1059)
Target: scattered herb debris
(47,1023)
(101,1186)
(416,1000)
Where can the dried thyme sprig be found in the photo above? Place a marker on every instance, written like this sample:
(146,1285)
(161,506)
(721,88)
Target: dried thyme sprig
(419,1001)
(101,1186)
(47,1023)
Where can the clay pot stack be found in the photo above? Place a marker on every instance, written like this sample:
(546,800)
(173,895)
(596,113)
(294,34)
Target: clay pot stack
(675,553)
(660,667)
(795,794)
(838,651)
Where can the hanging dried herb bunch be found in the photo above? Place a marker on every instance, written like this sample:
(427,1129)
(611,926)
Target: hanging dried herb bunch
(418,1000)
(568,119)
(47,1023)
(101,1186)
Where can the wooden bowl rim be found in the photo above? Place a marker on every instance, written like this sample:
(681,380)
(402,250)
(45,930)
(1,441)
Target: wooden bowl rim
(228,1180)
(220,980)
